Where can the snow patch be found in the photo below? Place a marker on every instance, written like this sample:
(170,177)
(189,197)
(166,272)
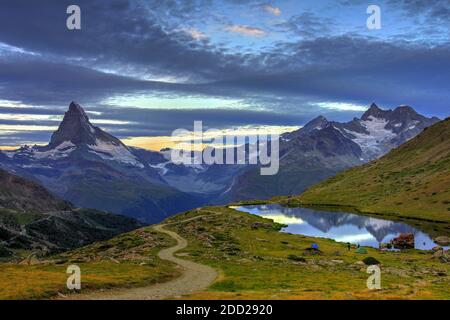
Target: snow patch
(371,143)
(61,151)
(161,167)
(35,166)
(413,125)
(118,153)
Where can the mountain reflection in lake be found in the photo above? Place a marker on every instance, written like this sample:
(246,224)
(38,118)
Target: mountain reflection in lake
(340,226)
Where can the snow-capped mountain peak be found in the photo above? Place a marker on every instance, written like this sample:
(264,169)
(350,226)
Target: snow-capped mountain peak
(375,112)
(318,123)
(378,131)
(76,132)
(75,128)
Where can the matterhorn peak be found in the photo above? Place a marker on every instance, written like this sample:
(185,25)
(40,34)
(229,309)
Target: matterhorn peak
(76,108)
(74,128)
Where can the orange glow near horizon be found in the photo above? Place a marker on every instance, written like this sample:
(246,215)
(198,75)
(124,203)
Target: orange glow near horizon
(157,143)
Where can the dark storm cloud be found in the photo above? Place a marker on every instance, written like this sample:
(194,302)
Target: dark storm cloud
(115,34)
(342,68)
(123,42)
(37,81)
(359,70)
(29,111)
(21,138)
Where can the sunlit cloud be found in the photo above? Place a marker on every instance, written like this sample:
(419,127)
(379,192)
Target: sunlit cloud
(195,33)
(29,117)
(8,49)
(167,102)
(341,106)
(13,104)
(108,121)
(57,118)
(17,128)
(272,10)
(246,30)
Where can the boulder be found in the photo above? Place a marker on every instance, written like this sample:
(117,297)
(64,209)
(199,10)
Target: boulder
(438,254)
(335,261)
(403,241)
(437,248)
(260,225)
(442,256)
(442,240)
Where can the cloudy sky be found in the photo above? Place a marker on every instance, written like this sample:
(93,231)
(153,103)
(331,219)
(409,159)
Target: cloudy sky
(145,68)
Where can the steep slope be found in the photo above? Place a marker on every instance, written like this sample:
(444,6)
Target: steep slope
(22,195)
(90,168)
(412,180)
(32,218)
(76,129)
(379,131)
(304,161)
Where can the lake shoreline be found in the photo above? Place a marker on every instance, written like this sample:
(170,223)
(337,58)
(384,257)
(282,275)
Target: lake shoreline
(344,226)
(435,228)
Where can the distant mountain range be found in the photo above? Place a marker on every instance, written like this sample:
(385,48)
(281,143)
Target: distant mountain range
(90,168)
(411,181)
(323,148)
(31,218)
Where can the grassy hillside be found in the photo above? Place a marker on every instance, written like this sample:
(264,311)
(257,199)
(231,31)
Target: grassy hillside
(254,260)
(31,218)
(125,261)
(410,181)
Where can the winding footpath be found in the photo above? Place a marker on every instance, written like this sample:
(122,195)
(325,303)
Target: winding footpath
(195,277)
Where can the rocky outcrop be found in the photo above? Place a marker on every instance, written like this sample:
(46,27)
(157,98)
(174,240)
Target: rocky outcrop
(442,241)
(441,255)
(403,241)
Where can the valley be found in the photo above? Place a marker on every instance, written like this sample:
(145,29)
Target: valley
(216,251)
(254,261)
(33,222)
(91,168)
